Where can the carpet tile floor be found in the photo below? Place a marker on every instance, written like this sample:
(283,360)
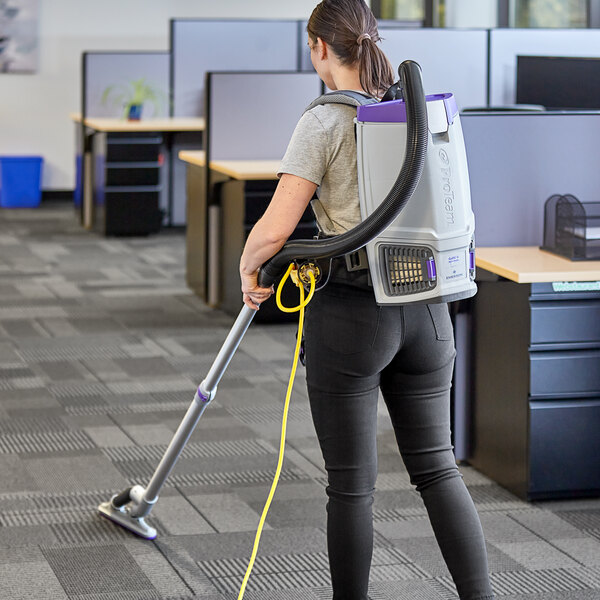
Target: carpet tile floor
(101,348)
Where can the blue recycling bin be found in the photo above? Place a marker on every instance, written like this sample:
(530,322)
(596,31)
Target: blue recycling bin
(20,181)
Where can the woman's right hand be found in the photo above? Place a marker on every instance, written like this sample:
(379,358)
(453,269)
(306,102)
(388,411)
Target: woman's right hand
(270,233)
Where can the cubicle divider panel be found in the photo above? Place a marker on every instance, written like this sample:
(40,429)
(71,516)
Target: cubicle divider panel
(305,63)
(199,46)
(517,160)
(452,60)
(251,116)
(507,44)
(110,79)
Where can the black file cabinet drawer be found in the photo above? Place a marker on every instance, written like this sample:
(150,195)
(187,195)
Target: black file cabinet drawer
(138,148)
(565,373)
(132,212)
(564,447)
(567,321)
(123,174)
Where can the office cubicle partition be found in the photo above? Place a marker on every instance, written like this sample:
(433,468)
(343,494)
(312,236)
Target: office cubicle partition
(109,79)
(304,50)
(452,60)
(257,128)
(507,44)
(252,115)
(201,45)
(198,46)
(517,160)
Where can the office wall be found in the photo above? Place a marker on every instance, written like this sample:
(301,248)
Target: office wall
(34,109)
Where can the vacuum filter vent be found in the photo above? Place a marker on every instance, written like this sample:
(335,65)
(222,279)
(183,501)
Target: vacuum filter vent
(407,269)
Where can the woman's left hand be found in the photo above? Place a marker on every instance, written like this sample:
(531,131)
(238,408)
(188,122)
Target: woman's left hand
(254,295)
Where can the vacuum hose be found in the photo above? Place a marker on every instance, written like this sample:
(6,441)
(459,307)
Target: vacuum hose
(410,173)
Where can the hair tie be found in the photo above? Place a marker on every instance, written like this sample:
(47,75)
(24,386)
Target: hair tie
(361,38)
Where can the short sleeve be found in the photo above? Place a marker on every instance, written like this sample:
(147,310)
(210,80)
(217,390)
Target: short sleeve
(307,153)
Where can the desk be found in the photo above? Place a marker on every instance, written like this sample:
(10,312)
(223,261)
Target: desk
(220,217)
(129,178)
(537,372)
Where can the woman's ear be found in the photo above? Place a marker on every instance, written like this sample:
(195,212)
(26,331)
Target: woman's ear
(322,49)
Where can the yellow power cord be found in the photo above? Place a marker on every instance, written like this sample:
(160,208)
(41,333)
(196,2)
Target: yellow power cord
(300,308)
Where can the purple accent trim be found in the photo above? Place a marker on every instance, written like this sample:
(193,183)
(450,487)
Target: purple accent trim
(451,107)
(431,272)
(202,396)
(471,259)
(394,111)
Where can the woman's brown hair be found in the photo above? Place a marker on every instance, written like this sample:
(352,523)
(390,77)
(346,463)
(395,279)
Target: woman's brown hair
(350,30)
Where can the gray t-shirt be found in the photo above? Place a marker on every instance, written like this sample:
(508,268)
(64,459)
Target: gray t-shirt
(323,150)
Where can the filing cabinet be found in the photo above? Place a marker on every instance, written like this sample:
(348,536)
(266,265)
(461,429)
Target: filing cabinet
(537,387)
(128,177)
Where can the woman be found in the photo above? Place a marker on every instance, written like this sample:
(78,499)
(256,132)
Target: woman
(355,348)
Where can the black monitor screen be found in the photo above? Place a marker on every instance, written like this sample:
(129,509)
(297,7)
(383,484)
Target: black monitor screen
(559,82)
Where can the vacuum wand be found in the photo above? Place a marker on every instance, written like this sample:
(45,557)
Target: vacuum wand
(129,508)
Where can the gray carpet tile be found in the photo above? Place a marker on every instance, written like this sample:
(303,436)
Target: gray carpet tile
(97,569)
(102,347)
(27,580)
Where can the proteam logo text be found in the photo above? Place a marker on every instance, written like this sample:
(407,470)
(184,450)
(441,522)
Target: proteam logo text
(447,190)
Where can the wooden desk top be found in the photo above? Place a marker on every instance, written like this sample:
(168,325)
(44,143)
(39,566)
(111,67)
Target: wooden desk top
(529,264)
(122,125)
(193,157)
(236,169)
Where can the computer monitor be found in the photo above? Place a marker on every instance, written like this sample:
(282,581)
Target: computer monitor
(559,82)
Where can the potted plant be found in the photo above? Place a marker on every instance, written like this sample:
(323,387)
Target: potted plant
(132,96)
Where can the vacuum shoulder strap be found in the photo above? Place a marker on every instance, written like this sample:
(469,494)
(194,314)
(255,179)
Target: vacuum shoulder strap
(348,97)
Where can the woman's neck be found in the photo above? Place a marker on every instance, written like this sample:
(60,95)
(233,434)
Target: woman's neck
(346,78)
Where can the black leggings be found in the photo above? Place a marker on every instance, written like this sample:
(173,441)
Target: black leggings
(354,348)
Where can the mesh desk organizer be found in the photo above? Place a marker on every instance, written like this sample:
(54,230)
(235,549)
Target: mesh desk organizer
(572,228)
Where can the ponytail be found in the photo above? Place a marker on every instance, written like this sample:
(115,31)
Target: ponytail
(350,30)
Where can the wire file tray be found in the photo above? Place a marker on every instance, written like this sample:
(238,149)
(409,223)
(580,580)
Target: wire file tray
(572,228)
